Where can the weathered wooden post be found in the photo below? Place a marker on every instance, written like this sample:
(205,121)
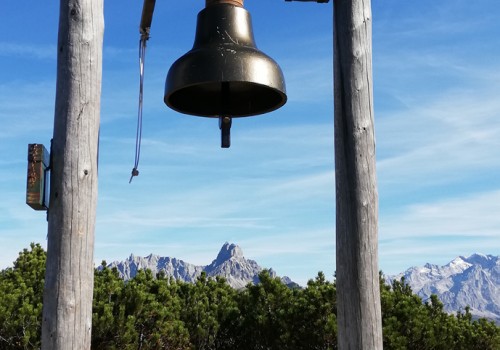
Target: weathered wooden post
(358,291)
(67,308)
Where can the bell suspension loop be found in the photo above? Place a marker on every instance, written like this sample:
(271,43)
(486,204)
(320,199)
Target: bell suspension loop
(230,2)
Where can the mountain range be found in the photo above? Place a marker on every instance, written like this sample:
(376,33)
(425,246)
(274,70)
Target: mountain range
(230,264)
(472,281)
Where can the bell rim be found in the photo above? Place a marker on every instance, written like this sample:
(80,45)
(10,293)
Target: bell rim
(283,99)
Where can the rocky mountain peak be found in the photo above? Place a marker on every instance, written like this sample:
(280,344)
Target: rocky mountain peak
(230,264)
(485,261)
(229,251)
(465,281)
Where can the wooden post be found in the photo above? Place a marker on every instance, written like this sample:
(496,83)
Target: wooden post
(358,291)
(67,300)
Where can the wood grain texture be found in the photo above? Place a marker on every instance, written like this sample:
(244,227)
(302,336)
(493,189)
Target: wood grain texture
(67,309)
(358,290)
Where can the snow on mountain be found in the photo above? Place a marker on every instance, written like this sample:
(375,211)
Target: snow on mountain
(230,264)
(465,281)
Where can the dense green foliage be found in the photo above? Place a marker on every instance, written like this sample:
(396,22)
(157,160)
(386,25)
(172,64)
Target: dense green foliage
(410,324)
(21,291)
(156,312)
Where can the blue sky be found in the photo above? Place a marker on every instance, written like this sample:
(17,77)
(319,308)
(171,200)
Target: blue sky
(437,115)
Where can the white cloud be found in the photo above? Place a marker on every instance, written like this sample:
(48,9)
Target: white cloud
(436,120)
(31,50)
(438,231)
(451,137)
(475,214)
(23,119)
(309,80)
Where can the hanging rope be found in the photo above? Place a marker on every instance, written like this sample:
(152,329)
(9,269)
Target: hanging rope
(138,136)
(144,28)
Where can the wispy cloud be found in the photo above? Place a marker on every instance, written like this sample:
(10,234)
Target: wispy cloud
(26,118)
(265,193)
(437,231)
(309,80)
(454,217)
(436,105)
(449,136)
(444,147)
(437,133)
(230,205)
(14,51)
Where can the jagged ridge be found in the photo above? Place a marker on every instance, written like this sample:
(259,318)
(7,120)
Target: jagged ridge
(465,281)
(230,264)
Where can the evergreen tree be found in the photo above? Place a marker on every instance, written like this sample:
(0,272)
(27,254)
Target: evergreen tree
(156,312)
(106,315)
(149,315)
(21,291)
(265,308)
(313,323)
(409,324)
(210,313)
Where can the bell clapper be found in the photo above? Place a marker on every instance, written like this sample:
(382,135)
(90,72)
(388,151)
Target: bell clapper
(225,131)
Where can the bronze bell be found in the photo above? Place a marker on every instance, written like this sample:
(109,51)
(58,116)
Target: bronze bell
(224,75)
